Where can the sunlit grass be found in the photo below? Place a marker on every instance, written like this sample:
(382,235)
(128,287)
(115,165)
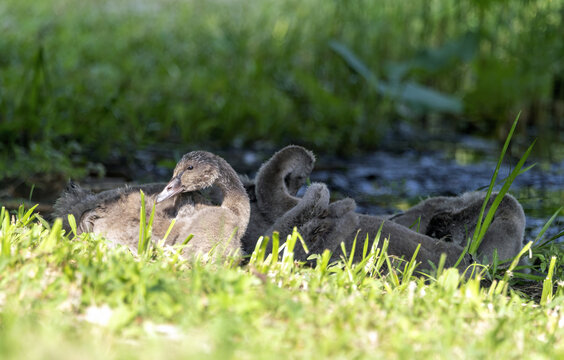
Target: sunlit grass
(150,71)
(71,295)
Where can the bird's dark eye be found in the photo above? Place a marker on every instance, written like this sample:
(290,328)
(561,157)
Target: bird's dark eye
(190,167)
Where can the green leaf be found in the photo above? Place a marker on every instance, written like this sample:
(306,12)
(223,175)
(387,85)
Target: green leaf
(482,225)
(547,225)
(546,296)
(409,92)
(429,99)
(55,234)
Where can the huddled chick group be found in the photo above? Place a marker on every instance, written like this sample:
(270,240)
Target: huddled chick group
(207,199)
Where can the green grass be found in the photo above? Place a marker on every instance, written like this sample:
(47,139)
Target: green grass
(234,72)
(64,297)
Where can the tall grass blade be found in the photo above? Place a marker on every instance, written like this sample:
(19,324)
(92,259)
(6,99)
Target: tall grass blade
(275,247)
(464,252)
(392,273)
(167,233)
(546,296)
(344,251)
(145,227)
(255,254)
(260,250)
(142,222)
(50,242)
(476,241)
(517,258)
(494,176)
(323,263)
(483,223)
(383,255)
(410,266)
(27,217)
(290,244)
(5,234)
(31,191)
(351,255)
(547,225)
(72,224)
(553,238)
(365,247)
(302,241)
(504,283)
(187,240)
(441,266)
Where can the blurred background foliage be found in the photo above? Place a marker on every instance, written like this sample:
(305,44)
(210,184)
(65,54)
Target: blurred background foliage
(81,81)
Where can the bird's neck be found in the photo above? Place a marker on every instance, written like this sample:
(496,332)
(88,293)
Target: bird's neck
(272,194)
(234,195)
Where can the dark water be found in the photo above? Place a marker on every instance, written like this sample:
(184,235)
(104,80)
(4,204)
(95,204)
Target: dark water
(392,180)
(382,183)
(387,181)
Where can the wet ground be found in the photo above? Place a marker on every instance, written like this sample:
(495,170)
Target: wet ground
(383,183)
(387,181)
(397,177)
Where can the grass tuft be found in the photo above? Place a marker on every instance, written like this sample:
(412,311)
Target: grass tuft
(96,301)
(483,223)
(145,227)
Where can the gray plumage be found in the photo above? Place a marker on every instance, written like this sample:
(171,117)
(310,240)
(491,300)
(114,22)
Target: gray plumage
(272,192)
(445,222)
(454,219)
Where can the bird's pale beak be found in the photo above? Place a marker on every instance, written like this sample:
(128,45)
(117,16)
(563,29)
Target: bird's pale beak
(172,188)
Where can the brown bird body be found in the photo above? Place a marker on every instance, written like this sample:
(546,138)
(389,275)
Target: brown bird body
(115,213)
